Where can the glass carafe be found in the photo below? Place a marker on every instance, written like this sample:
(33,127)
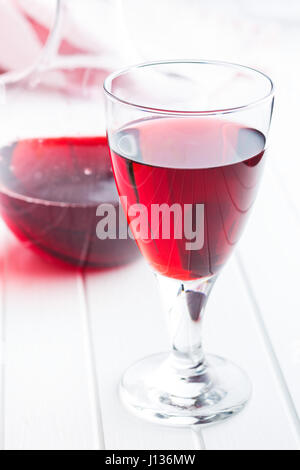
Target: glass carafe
(54,160)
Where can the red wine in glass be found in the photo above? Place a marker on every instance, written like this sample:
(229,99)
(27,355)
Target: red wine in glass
(49,192)
(192,161)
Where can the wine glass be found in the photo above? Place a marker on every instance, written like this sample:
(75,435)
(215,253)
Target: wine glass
(187,142)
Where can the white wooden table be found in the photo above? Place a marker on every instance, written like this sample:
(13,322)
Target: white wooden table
(66,337)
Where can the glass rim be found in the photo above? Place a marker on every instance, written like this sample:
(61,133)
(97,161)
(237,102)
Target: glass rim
(108,81)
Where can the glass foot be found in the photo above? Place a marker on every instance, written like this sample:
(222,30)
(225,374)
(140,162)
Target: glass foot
(155,389)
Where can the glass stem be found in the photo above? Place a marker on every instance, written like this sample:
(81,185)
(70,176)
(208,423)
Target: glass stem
(185,305)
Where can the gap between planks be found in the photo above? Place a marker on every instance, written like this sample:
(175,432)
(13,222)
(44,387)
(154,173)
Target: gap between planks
(94,386)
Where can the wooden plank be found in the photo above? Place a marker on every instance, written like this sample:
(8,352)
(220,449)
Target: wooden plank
(49,390)
(233,332)
(273,272)
(127,324)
